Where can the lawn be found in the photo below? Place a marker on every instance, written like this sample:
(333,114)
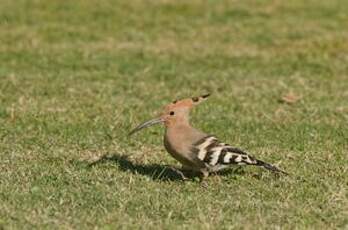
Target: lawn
(77,76)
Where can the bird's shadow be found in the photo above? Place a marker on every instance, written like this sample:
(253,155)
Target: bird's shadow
(153,171)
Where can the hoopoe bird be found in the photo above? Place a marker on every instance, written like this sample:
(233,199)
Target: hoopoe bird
(194,149)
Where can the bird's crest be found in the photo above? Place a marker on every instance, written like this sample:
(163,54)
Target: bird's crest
(187,102)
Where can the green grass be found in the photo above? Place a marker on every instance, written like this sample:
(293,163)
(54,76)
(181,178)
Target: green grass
(76,76)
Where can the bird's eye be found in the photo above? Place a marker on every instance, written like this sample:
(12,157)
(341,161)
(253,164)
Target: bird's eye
(171,113)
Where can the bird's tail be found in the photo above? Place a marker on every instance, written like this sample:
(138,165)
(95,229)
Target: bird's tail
(270,167)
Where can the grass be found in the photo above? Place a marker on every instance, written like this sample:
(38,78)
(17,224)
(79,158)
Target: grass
(76,76)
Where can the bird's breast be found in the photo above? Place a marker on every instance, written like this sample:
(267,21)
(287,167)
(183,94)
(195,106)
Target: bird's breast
(173,147)
(179,150)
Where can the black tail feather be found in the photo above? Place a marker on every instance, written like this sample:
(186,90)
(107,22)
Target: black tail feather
(270,167)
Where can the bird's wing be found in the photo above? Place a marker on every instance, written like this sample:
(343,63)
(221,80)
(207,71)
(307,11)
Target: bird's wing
(215,153)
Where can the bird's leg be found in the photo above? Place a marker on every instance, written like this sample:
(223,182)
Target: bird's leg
(204,175)
(179,172)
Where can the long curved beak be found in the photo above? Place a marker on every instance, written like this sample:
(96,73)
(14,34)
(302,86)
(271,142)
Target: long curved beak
(146,124)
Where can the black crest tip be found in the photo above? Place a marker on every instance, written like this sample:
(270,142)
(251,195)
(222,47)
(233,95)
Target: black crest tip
(205,95)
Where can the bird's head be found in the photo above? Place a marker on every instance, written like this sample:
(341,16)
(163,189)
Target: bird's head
(173,113)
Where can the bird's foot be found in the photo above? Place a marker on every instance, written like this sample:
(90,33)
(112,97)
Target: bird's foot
(204,184)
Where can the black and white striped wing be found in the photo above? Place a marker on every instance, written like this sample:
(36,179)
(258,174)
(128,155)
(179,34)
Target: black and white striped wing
(218,155)
(213,152)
